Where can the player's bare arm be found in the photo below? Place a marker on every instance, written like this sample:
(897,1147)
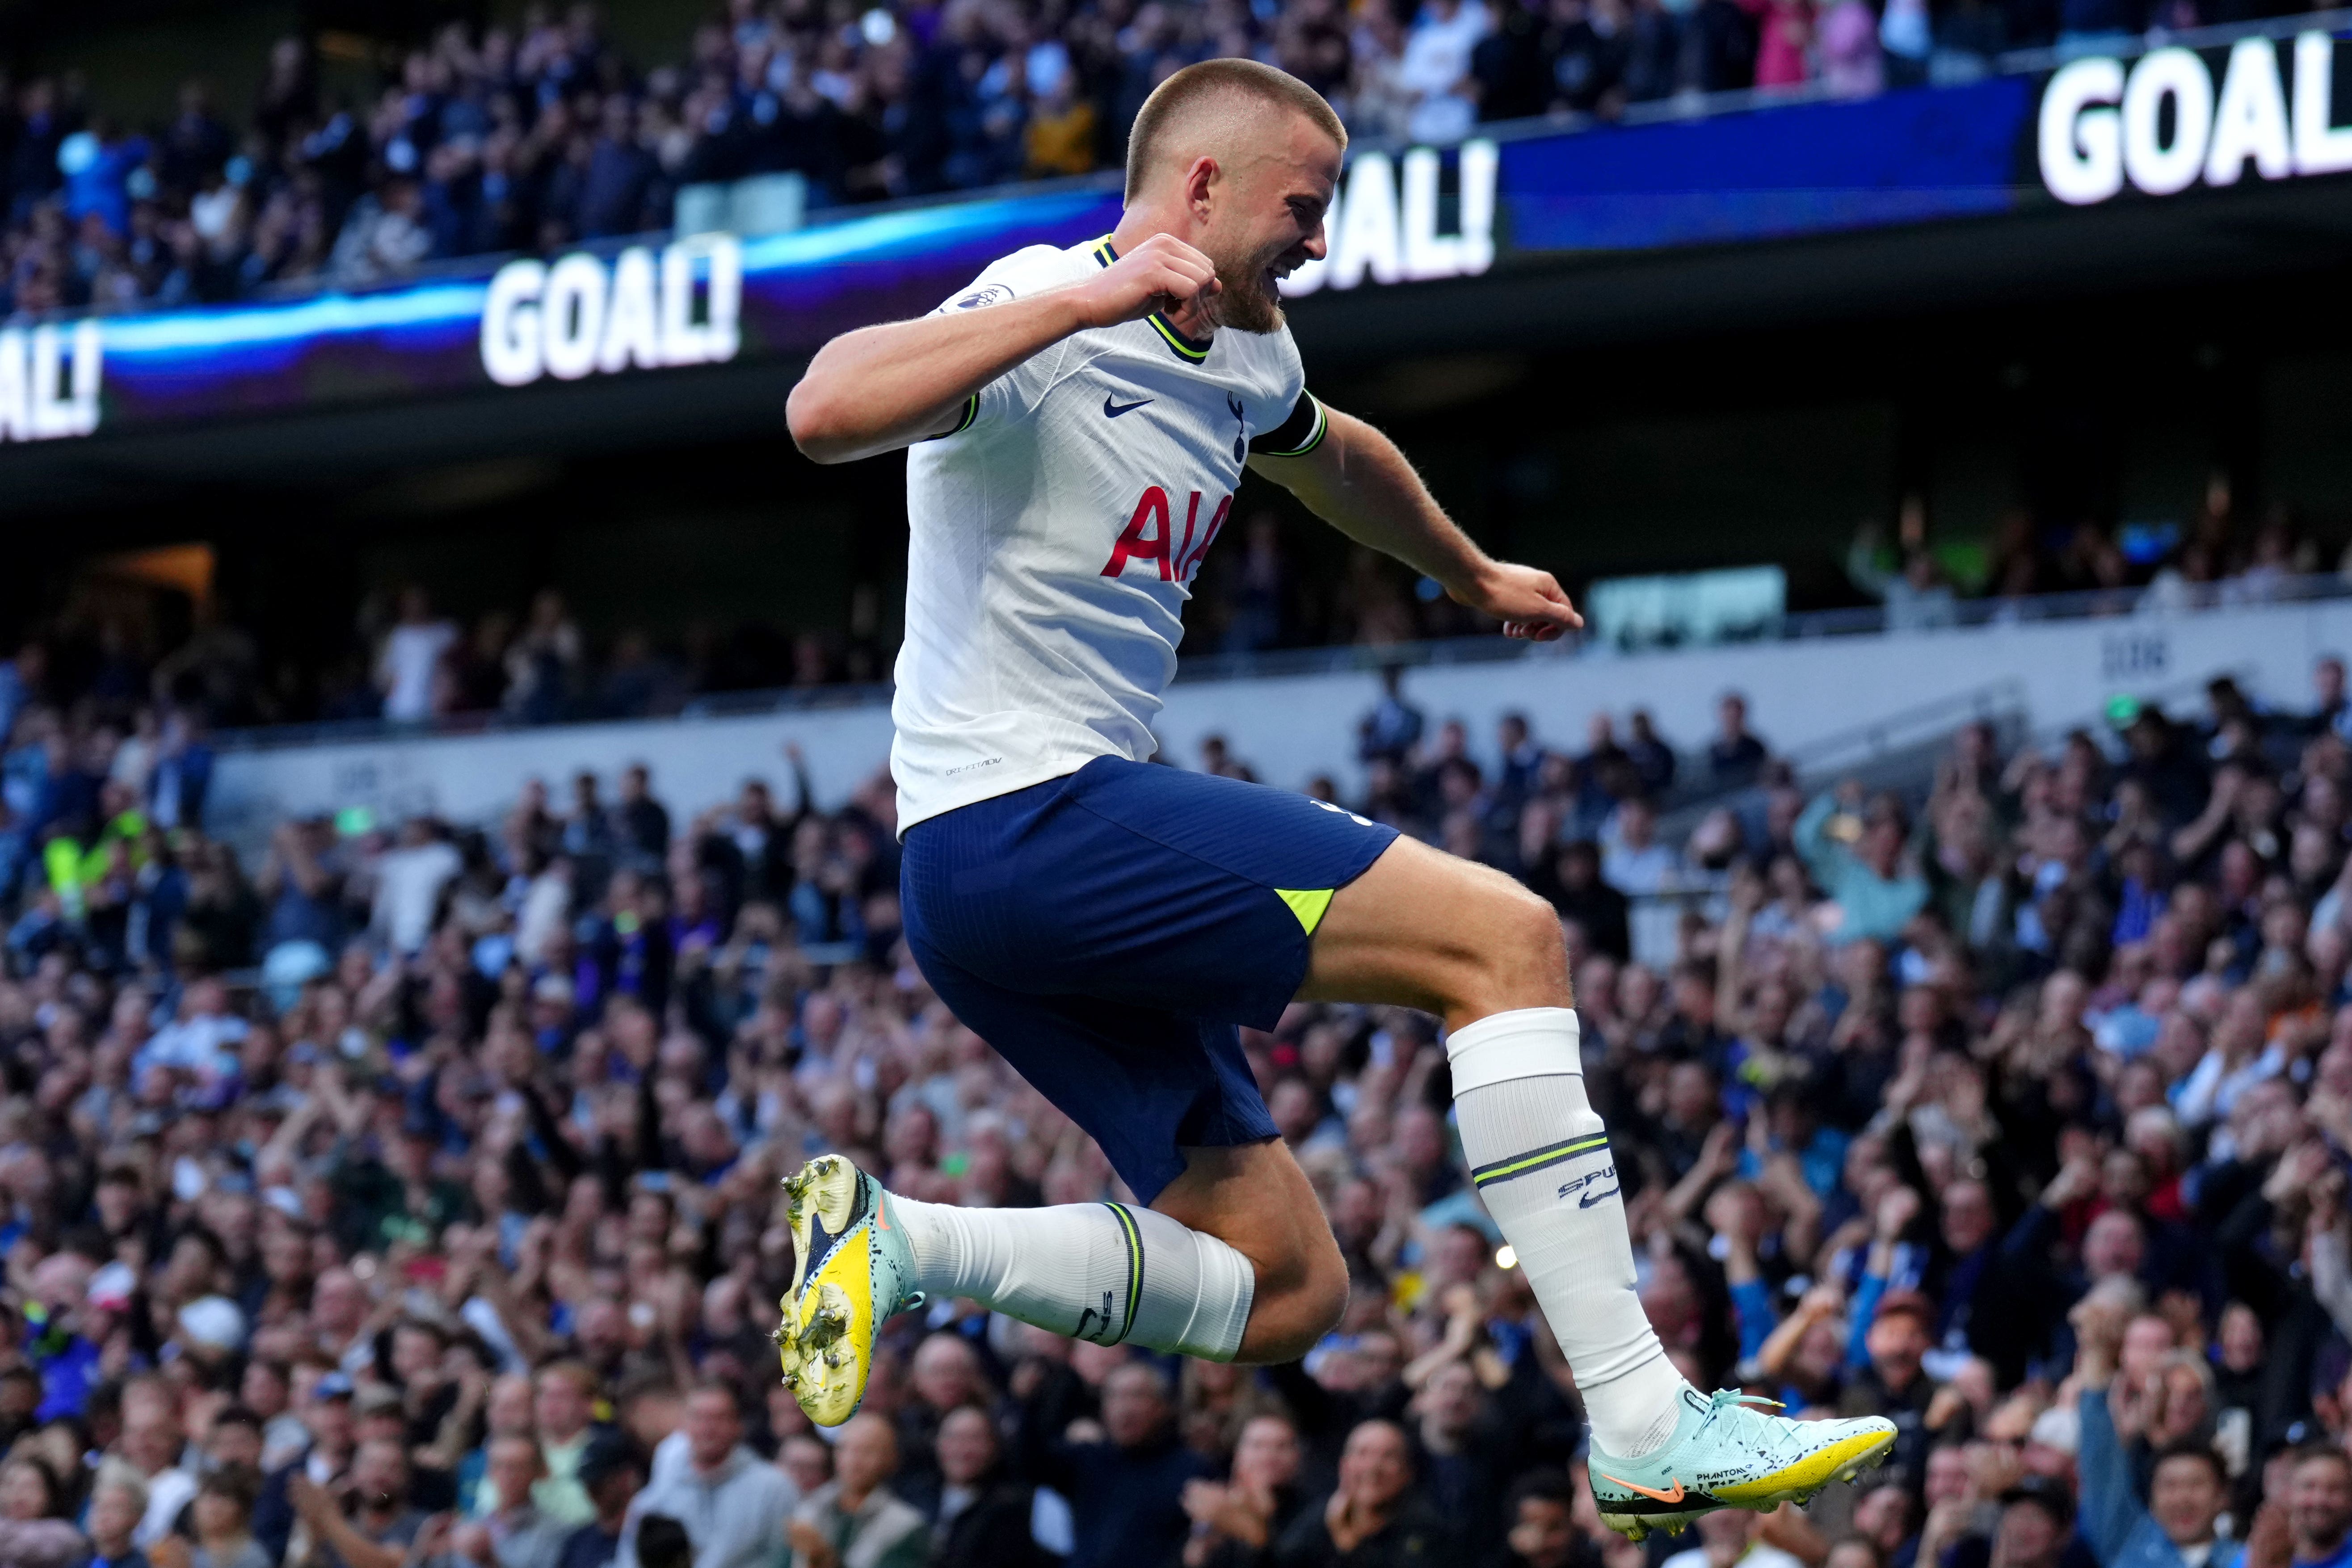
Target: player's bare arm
(1358,481)
(880,388)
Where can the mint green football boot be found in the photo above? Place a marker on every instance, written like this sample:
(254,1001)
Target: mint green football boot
(1726,1453)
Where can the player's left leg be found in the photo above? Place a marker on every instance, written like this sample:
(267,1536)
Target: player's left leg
(1425,929)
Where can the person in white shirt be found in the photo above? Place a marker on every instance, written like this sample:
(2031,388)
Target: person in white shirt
(406,670)
(1078,423)
(1731,1540)
(1436,69)
(409,879)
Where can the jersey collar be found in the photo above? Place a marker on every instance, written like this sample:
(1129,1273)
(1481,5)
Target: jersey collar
(1191,349)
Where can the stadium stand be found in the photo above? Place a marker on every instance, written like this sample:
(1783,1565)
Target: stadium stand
(411,1138)
(536,136)
(382,1189)
(406,662)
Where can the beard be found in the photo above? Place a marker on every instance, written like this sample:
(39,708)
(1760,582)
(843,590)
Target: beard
(1247,300)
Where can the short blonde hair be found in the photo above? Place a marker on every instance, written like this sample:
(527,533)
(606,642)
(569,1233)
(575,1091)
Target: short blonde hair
(1198,84)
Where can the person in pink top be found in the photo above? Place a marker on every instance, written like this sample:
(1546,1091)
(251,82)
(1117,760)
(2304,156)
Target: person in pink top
(1784,51)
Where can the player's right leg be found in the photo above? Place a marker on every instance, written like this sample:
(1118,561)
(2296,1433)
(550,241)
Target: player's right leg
(1230,1261)
(1425,929)
(1106,932)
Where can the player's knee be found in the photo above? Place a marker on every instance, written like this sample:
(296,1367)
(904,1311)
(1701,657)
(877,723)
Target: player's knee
(1527,956)
(1297,1304)
(1537,931)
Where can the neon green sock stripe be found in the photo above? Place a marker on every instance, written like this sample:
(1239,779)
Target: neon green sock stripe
(1134,1268)
(1504,1170)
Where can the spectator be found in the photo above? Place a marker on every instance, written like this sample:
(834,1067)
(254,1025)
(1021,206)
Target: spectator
(408,669)
(1393,727)
(1916,595)
(1544,1531)
(2037,1519)
(2319,1506)
(1584,901)
(611,1470)
(1856,859)
(1125,1477)
(1236,1522)
(409,881)
(1890,1378)
(517,1534)
(116,1505)
(325,1454)
(563,1408)
(2189,1486)
(1635,863)
(1374,1518)
(640,823)
(1435,69)
(733,1507)
(1726,1539)
(374,1526)
(34,1529)
(222,1517)
(182,773)
(384,238)
(1652,759)
(852,1520)
(152,1443)
(664,1543)
(982,1517)
(1735,756)
(1465,1456)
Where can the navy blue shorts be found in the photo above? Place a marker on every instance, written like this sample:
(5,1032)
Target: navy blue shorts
(1109,932)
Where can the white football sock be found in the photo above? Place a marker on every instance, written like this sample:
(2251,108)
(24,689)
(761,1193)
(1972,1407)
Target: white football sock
(1111,1273)
(1546,1174)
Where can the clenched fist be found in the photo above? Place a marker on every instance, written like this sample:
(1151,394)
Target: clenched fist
(1162,275)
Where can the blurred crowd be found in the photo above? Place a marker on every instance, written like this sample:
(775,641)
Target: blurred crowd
(407,659)
(541,136)
(2219,556)
(407,1195)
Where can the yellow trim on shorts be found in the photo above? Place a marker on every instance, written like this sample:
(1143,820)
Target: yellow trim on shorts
(1308,904)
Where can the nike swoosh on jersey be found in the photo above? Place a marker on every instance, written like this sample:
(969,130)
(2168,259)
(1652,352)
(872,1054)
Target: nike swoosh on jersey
(1588,1199)
(1112,408)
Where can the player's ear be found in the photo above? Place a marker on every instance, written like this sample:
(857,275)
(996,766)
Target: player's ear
(1197,180)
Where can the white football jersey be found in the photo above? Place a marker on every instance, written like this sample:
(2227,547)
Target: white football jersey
(1056,531)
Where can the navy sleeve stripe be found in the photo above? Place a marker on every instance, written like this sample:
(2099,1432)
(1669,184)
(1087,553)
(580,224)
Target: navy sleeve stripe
(1297,436)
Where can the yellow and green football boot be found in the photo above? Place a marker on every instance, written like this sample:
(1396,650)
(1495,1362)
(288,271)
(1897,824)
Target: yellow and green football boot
(851,1269)
(1726,1454)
